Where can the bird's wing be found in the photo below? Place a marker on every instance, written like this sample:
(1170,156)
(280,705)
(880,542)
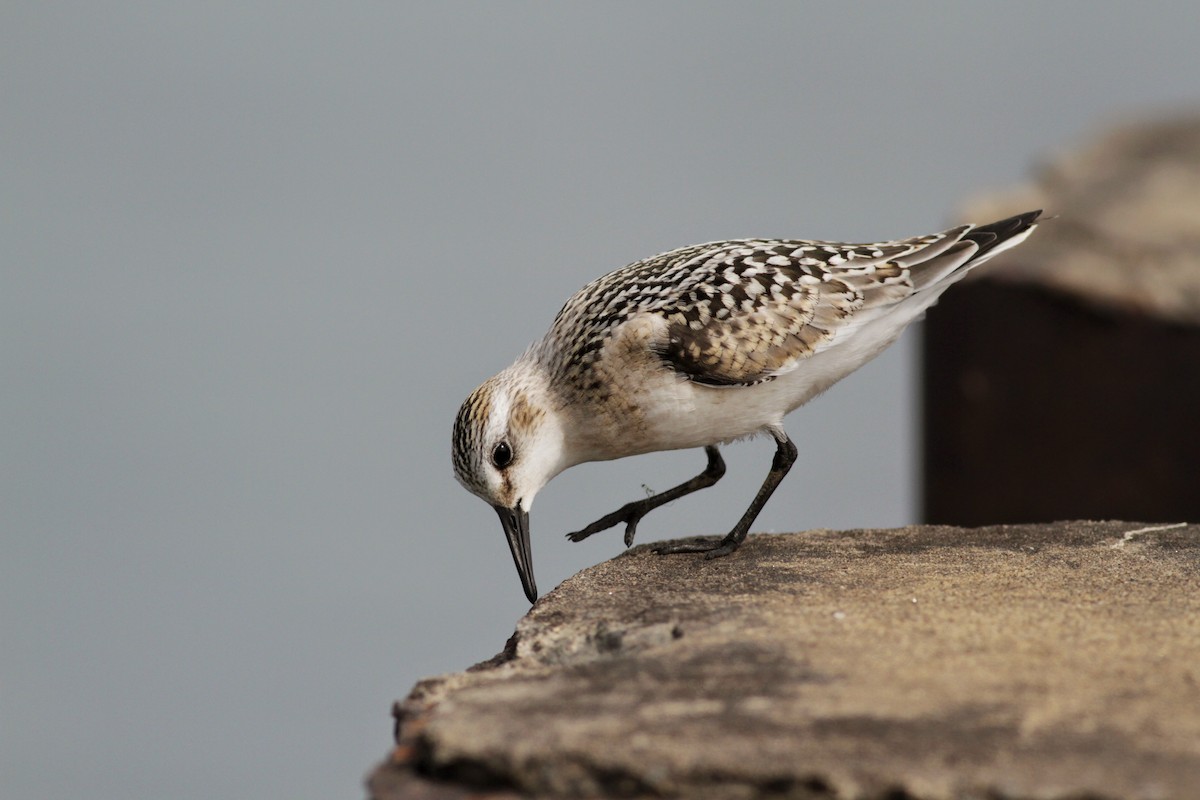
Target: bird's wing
(748,311)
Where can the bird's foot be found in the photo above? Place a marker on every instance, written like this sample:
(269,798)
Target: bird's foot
(712,548)
(630,513)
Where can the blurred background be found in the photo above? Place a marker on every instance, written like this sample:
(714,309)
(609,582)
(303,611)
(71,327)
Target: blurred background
(255,255)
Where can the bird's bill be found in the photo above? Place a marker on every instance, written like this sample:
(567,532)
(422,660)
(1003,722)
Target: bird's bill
(516,530)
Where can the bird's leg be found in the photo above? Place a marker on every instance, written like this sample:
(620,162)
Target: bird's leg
(632,512)
(785,456)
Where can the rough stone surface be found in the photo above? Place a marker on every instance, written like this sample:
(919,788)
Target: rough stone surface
(1127,232)
(1047,661)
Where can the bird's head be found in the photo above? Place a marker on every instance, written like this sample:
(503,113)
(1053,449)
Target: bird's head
(507,445)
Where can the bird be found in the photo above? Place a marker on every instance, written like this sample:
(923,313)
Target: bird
(695,348)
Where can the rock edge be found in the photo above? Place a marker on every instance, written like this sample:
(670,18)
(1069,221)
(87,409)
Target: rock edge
(1039,661)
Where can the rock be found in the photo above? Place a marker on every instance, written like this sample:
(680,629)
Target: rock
(1041,661)
(1063,383)
(1124,231)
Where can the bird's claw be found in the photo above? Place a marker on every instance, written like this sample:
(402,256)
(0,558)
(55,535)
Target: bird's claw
(630,514)
(711,548)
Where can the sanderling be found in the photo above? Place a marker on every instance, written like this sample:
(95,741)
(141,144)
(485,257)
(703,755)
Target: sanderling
(694,348)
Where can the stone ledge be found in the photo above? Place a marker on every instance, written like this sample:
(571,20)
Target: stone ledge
(1039,661)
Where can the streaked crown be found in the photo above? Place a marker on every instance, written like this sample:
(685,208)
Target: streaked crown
(470,427)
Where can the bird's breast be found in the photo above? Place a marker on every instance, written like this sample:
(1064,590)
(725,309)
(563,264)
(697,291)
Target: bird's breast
(658,410)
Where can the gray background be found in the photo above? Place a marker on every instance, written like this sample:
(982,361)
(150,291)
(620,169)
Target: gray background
(254,256)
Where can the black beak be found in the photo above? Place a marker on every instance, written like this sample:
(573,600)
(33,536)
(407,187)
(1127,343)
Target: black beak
(516,530)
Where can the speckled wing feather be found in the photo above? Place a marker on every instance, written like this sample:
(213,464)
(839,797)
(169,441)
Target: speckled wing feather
(745,311)
(759,307)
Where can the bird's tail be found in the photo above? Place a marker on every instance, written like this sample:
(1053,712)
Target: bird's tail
(999,236)
(971,247)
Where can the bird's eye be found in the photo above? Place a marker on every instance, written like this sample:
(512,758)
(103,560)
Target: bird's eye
(502,455)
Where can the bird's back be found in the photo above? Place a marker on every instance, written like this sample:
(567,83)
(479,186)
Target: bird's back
(741,312)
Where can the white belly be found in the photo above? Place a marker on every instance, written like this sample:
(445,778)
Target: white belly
(682,414)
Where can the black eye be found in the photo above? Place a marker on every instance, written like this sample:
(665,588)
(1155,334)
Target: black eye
(502,455)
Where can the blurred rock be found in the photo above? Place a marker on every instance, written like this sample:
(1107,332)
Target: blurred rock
(1064,382)
(1127,232)
(1046,661)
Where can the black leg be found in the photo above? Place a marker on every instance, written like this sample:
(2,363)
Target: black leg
(631,512)
(785,456)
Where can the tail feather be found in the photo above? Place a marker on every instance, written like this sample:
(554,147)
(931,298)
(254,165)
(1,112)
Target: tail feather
(989,237)
(988,240)
(975,246)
